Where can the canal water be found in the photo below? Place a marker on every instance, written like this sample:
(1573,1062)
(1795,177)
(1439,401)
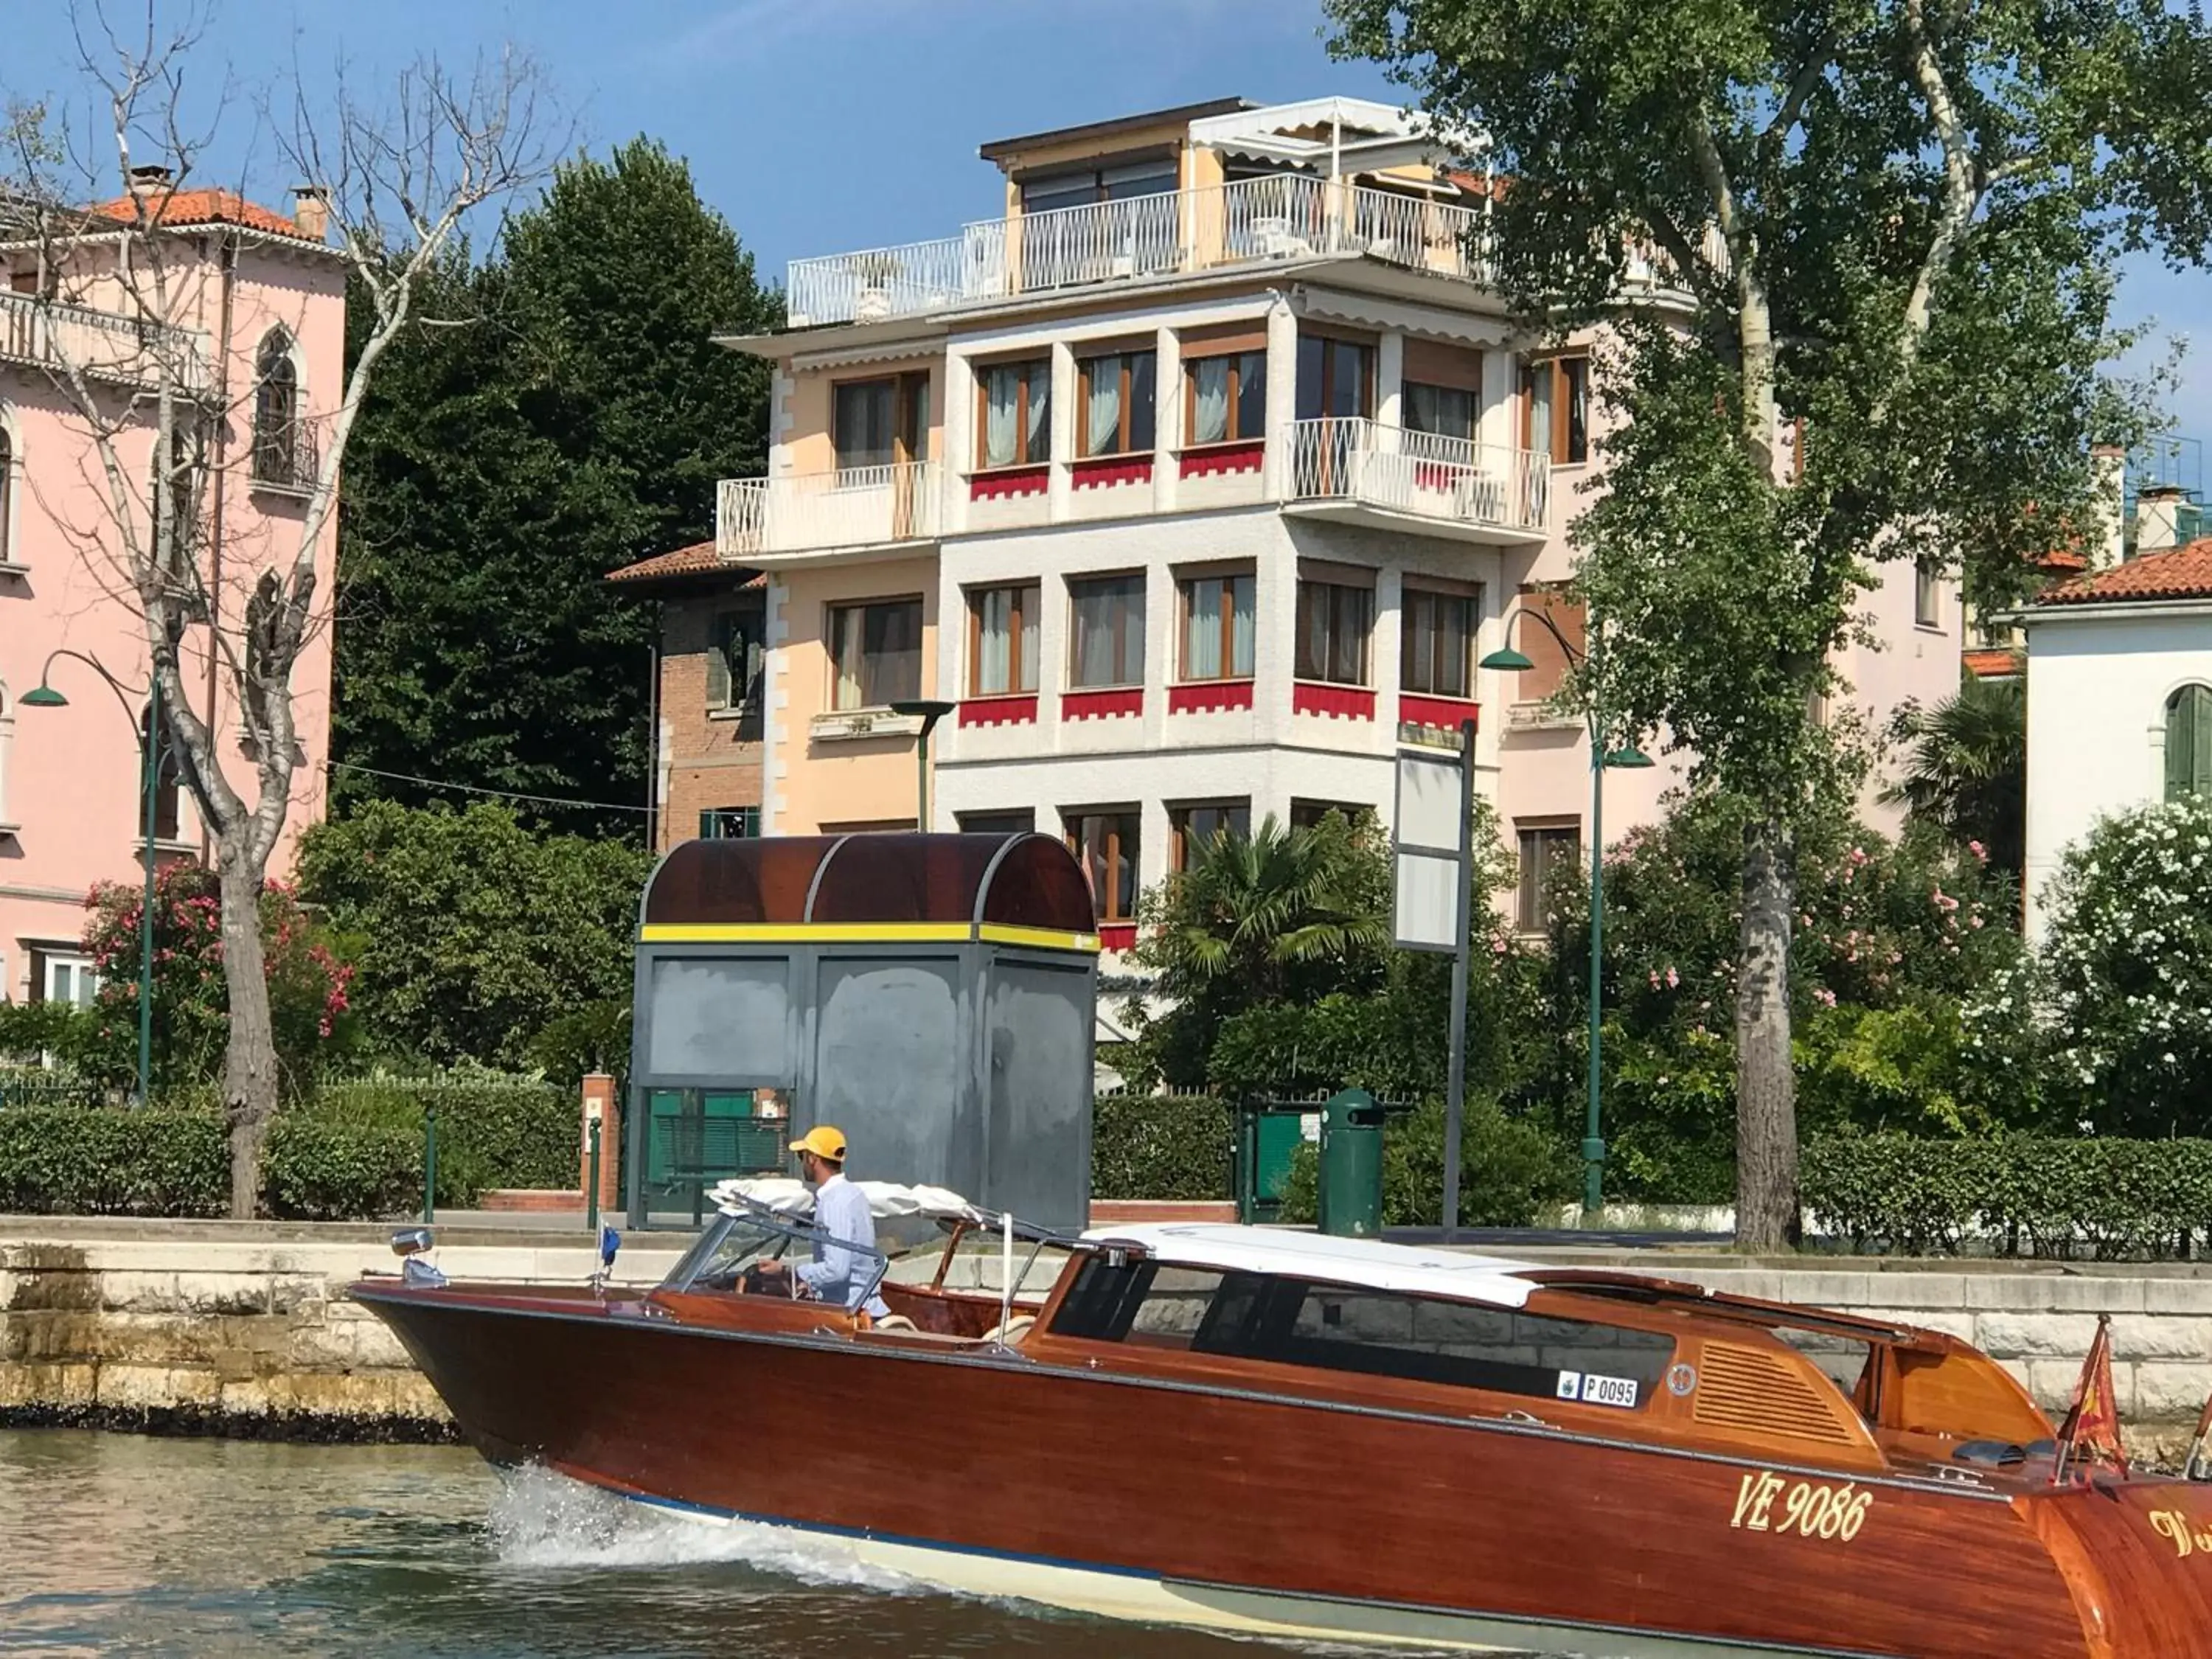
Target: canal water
(115,1544)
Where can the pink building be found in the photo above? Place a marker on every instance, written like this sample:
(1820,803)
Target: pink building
(257,302)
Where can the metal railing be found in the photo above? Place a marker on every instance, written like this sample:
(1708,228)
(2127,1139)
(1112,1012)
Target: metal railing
(852,507)
(102,344)
(1277,216)
(286,457)
(1351,458)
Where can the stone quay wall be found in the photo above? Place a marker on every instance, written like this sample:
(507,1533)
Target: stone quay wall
(213,1329)
(247,1329)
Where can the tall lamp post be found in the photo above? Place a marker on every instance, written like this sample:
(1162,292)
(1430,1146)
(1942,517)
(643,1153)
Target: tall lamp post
(1627,757)
(929,712)
(44,696)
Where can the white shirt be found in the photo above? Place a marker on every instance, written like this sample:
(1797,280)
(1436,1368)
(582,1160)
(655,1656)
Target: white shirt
(835,1274)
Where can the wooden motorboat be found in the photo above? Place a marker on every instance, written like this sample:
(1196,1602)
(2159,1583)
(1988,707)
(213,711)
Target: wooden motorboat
(1266,1430)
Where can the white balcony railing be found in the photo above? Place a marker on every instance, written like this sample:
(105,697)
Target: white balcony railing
(1280,216)
(852,507)
(1348,458)
(102,344)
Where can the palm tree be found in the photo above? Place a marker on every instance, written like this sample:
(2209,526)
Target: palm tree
(1273,915)
(1966,771)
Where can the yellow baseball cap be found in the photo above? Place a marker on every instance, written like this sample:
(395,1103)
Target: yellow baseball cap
(823,1142)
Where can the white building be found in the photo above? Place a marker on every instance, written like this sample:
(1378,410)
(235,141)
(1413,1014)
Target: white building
(2119,699)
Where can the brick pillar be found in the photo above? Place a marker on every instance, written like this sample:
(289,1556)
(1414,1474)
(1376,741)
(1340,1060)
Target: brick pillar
(599,1097)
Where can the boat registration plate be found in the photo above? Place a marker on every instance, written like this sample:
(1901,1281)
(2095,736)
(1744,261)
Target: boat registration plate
(1595,1389)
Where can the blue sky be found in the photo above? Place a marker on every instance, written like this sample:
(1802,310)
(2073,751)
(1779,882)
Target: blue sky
(821,125)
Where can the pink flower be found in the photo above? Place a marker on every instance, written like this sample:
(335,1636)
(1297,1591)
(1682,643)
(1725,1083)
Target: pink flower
(1824,996)
(1673,979)
(1979,851)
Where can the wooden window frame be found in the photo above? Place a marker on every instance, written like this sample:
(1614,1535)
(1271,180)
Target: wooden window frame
(1179,825)
(1366,679)
(1124,359)
(1228,576)
(1524,895)
(1370,356)
(1105,898)
(1474,408)
(1437,596)
(837,607)
(1237,354)
(1559,447)
(1022,458)
(1025,619)
(1136,615)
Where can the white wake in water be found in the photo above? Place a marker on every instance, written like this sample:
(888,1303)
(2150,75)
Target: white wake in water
(543,1521)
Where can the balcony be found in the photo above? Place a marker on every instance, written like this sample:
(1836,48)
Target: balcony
(287,460)
(854,506)
(1177,233)
(1349,467)
(103,345)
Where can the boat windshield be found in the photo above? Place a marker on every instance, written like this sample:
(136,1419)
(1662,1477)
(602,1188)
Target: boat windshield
(734,1244)
(968,1253)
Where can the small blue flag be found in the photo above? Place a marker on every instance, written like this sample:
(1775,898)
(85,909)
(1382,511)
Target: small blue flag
(609,1242)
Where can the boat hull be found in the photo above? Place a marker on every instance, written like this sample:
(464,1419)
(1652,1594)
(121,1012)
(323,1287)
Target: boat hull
(1147,1497)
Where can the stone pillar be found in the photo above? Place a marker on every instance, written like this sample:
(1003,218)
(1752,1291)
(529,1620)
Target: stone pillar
(600,1102)
(1166,417)
(1059,489)
(957,459)
(1282,395)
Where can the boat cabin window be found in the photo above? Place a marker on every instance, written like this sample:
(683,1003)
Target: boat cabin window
(1376,1332)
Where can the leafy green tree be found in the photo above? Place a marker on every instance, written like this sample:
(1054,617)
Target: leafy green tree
(566,413)
(1893,221)
(1965,769)
(2130,953)
(470,936)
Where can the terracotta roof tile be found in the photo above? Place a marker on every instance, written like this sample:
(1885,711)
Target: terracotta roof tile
(182,207)
(700,559)
(2177,573)
(1995,663)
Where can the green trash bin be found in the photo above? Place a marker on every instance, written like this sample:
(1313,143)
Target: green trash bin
(1352,1165)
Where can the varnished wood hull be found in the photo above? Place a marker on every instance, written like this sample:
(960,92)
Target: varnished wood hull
(1223,1505)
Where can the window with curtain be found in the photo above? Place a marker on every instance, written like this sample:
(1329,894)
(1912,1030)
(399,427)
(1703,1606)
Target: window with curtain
(1117,393)
(1227,397)
(1544,848)
(1927,593)
(1444,411)
(1335,620)
(1104,842)
(1555,409)
(276,459)
(1106,635)
(875,651)
(2189,742)
(1216,626)
(1435,642)
(861,423)
(1002,639)
(1017,420)
(1336,377)
(1196,827)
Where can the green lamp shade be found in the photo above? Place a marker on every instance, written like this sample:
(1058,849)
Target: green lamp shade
(1628,759)
(44,696)
(1508,661)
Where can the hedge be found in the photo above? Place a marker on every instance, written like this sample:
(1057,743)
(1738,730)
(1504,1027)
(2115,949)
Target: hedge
(494,1129)
(75,1160)
(1162,1146)
(2036,1195)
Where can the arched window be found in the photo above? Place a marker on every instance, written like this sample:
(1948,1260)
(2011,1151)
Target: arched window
(165,779)
(277,460)
(2189,742)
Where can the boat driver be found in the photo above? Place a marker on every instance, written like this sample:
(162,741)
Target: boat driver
(841,1212)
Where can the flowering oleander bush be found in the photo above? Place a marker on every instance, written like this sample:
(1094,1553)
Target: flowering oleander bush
(308,984)
(2130,956)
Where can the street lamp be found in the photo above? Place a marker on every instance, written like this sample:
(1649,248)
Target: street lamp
(1627,757)
(43,695)
(929,712)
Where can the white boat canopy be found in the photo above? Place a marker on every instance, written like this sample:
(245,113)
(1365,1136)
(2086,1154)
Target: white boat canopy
(786,1195)
(1410,1269)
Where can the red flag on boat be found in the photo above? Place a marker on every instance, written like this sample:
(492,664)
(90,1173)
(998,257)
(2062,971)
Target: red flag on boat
(2093,1423)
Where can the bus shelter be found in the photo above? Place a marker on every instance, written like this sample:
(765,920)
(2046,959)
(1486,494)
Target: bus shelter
(932,995)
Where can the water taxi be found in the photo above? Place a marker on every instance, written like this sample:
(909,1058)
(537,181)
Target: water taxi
(1274,1432)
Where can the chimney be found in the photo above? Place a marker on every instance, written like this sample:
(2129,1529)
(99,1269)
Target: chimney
(311,211)
(150,180)
(2108,464)
(2158,508)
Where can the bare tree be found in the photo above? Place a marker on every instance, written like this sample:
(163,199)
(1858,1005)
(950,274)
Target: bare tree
(395,180)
